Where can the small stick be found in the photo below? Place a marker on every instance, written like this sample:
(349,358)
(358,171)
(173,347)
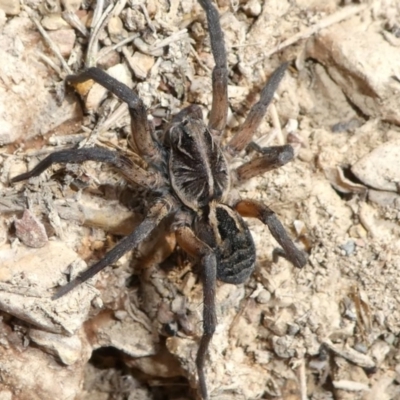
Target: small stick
(303,380)
(75,22)
(50,63)
(116,46)
(170,39)
(54,48)
(92,46)
(146,16)
(276,124)
(332,19)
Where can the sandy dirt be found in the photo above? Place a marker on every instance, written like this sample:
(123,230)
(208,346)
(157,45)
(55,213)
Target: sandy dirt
(327,331)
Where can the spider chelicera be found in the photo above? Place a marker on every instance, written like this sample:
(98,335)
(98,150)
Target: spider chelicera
(189,172)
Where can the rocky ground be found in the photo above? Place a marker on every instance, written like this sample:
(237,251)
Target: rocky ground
(328,331)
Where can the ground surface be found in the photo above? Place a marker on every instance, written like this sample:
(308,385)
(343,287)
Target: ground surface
(328,331)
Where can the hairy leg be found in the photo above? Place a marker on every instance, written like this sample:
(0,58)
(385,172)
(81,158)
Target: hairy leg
(272,157)
(142,133)
(243,137)
(219,108)
(256,209)
(158,212)
(132,171)
(198,249)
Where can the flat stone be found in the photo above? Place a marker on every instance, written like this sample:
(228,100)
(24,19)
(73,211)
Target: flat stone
(380,169)
(141,64)
(363,64)
(10,7)
(30,230)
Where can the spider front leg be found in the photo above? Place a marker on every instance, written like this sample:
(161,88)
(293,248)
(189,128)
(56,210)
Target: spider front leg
(256,209)
(142,140)
(219,108)
(243,137)
(148,179)
(207,259)
(157,212)
(132,171)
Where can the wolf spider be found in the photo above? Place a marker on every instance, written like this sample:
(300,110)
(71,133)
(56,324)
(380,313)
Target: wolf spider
(188,170)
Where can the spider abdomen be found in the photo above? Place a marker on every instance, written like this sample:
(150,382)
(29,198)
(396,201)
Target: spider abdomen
(225,231)
(197,167)
(236,250)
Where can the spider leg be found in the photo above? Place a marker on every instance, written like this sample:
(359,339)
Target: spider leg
(132,171)
(243,137)
(256,209)
(198,249)
(157,212)
(272,157)
(142,140)
(219,108)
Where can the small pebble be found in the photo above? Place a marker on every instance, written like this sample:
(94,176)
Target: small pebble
(141,64)
(30,230)
(264,297)
(380,169)
(349,247)
(252,8)
(65,40)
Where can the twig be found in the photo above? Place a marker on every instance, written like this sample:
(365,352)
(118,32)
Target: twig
(303,380)
(92,46)
(119,6)
(98,12)
(54,48)
(196,56)
(50,63)
(111,10)
(75,22)
(276,124)
(170,39)
(332,19)
(116,46)
(112,119)
(146,16)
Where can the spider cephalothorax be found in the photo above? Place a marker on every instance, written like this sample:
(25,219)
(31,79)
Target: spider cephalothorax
(189,171)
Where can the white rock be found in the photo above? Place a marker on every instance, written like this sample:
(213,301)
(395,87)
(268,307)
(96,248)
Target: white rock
(27,274)
(363,64)
(10,7)
(380,169)
(253,8)
(141,64)
(129,336)
(35,374)
(69,349)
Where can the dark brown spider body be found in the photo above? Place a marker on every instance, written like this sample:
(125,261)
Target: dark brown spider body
(198,169)
(199,175)
(191,176)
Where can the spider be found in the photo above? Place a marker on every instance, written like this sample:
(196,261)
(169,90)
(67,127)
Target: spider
(188,170)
